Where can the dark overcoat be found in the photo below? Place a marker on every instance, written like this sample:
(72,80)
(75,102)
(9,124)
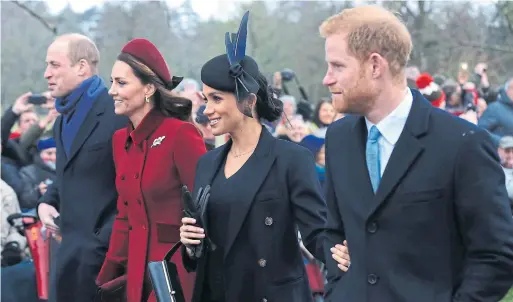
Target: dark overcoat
(282,195)
(438,229)
(85,195)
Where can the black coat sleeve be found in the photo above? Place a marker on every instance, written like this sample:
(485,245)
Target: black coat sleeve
(308,203)
(11,176)
(188,263)
(51,196)
(30,196)
(484,220)
(9,118)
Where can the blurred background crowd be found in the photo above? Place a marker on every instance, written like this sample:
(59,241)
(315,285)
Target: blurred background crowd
(462,63)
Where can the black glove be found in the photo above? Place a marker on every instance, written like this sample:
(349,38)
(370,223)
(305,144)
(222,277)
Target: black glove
(197,210)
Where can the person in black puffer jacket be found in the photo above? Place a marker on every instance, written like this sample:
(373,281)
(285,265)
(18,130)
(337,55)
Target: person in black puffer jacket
(37,176)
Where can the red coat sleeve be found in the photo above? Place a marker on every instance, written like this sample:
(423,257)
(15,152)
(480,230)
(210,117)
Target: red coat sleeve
(117,255)
(189,148)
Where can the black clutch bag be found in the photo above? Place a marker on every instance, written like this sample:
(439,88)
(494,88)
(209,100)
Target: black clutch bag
(196,209)
(164,278)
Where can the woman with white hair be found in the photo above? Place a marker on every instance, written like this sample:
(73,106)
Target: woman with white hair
(289,111)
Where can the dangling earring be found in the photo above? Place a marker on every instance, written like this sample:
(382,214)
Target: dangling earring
(146,99)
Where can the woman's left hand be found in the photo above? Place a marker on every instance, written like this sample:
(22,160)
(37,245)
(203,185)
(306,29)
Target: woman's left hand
(341,255)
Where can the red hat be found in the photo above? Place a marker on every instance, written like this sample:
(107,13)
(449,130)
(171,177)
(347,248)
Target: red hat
(147,53)
(430,90)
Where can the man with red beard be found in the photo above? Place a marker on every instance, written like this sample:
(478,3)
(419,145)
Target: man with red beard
(417,193)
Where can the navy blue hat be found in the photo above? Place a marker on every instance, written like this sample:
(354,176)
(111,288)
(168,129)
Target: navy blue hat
(200,117)
(44,144)
(312,143)
(234,71)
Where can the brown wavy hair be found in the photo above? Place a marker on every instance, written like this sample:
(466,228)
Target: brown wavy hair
(164,99)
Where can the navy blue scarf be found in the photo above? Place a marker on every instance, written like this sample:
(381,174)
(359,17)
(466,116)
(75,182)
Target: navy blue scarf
(75,107)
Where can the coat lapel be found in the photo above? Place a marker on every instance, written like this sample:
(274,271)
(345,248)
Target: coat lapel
(359,177)
(86,128)
(260,164)
(406,151)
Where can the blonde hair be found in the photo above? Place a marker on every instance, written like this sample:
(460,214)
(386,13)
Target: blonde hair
(81,47)
(372,29)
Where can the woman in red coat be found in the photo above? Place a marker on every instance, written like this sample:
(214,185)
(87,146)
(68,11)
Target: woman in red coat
(155,155)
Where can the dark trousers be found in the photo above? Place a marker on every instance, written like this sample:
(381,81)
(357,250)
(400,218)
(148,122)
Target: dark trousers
(19,283)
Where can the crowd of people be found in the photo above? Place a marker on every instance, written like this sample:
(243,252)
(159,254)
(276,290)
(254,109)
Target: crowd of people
(396,159)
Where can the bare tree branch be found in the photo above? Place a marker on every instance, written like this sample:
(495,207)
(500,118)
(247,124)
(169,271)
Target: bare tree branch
(409,11)
(504,10)
(50,27)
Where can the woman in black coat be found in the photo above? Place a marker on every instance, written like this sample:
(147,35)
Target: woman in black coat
(261,191)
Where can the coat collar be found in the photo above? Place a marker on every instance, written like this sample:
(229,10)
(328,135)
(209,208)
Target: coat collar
(407,150)
(263,148)
(417,122)
(86,129)
(148,125)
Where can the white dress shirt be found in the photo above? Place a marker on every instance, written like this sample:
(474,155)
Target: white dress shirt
(391,128)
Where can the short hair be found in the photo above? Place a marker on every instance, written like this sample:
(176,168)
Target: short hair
(30,110)
(372,29)
(81,47)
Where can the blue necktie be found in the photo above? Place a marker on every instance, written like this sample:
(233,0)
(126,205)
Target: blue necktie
(372,156)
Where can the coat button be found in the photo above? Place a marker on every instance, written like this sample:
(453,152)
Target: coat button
(262,262)
(136,175)
(268,221)
(122,177)
(126,203)
(129,228)
(372,227)
(372,279)
(138,201)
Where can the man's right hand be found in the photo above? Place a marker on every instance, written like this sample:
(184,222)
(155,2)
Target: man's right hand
(47,214)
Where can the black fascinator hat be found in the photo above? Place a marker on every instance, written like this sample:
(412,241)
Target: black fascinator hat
(234,71)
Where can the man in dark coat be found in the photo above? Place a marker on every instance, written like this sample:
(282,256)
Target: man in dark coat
(83,197)
(418,193)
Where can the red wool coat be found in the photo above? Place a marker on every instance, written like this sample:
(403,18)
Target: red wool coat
(152,163)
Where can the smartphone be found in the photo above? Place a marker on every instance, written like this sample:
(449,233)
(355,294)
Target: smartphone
(37,99)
